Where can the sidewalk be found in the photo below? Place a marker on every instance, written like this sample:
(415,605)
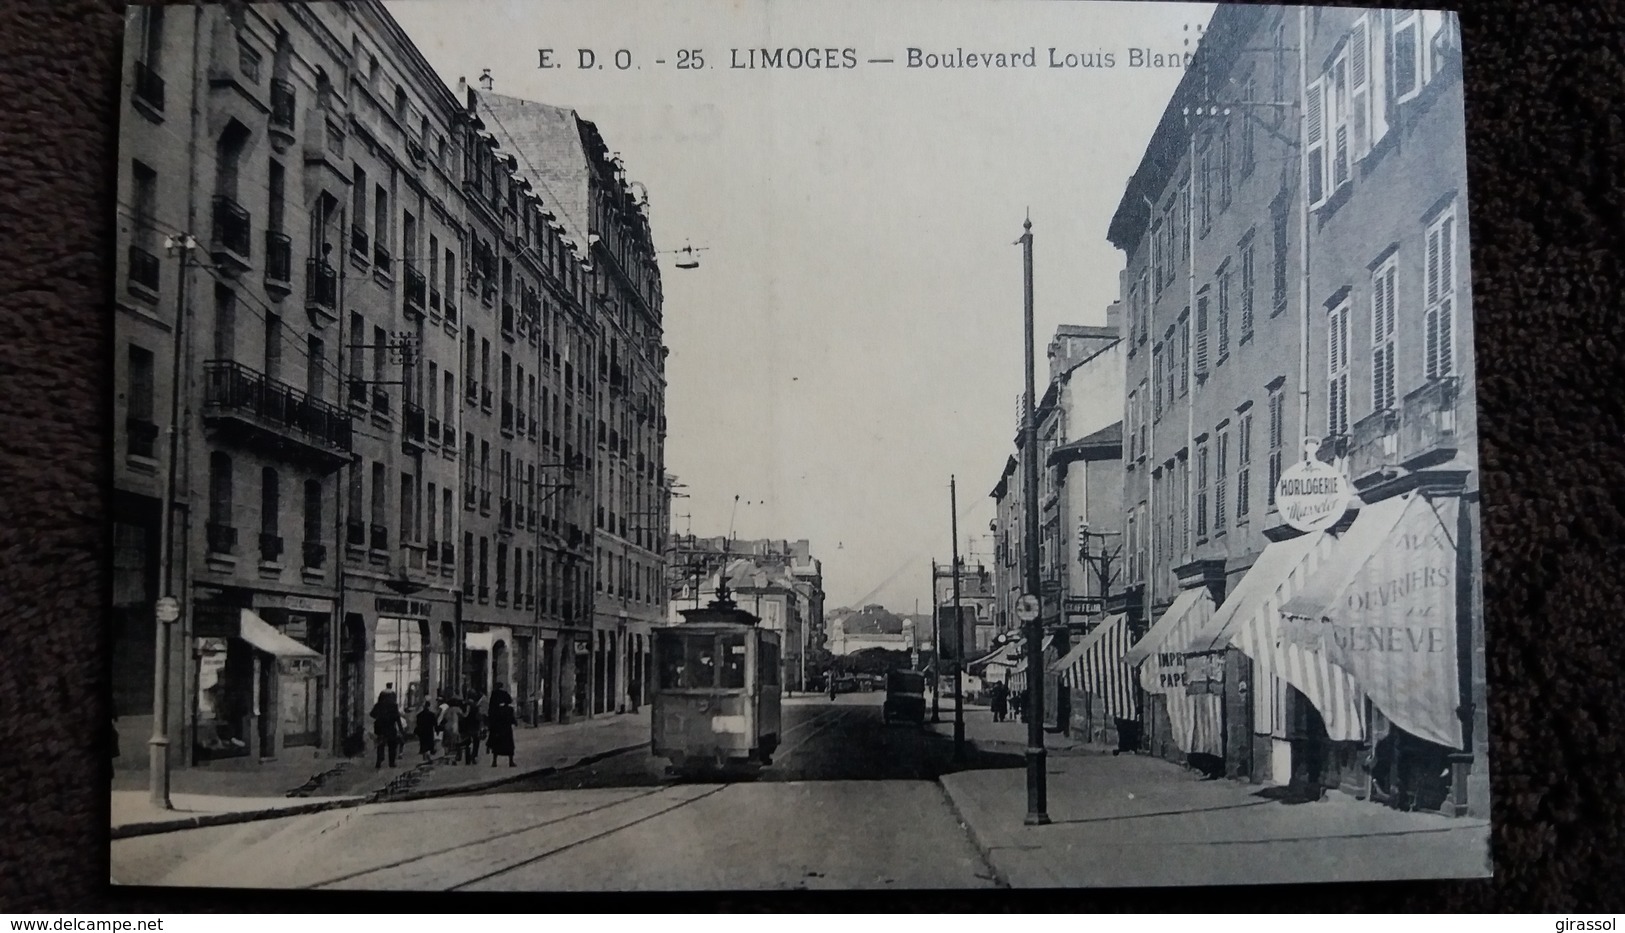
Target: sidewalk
(1009,736)
(237,791)
(1137,821)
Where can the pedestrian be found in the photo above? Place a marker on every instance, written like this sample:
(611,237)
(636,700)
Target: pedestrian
(500,696)
(500,723)
(386,726)
(832,688)
(426,722)
(1000,703)
(451,733)
(473,723)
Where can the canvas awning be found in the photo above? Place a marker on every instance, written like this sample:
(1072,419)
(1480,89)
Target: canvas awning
(264,636)
(1096,667)
(1384,610)
(1196,719)
(1250,620)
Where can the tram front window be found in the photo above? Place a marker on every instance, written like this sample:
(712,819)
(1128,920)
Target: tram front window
(733,662)
(687,662)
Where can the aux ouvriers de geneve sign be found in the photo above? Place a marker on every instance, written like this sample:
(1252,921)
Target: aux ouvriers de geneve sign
(1312,495)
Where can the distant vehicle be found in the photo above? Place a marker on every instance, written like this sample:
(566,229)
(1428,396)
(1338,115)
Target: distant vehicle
(717,696)
(905,697)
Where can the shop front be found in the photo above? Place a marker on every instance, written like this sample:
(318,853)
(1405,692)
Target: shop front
(1178,724)
(1386,611)
(254,685)
(1104,705)
(487,660)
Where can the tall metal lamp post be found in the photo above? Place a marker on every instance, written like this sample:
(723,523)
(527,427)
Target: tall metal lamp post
(1037,804)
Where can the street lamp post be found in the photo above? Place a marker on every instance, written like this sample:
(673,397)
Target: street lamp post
(959,631)
(167,611)
(1037,805)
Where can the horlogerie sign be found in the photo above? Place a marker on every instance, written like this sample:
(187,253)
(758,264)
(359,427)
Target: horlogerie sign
(1312,495)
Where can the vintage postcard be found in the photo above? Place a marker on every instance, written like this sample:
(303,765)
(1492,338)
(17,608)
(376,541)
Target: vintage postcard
(774,445)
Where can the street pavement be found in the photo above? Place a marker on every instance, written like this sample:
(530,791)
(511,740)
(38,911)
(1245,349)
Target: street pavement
(849,802)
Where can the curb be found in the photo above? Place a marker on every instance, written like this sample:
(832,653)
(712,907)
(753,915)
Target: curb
(976,840)
(202,820)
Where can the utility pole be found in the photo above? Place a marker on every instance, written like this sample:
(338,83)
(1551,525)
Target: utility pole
(936,650)
(959,630)
(1037,805)
(167,611)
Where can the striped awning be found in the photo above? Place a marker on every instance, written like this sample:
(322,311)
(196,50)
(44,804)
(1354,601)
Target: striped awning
(1384,610)
(1196,719)
(1096,667)
(1250,620)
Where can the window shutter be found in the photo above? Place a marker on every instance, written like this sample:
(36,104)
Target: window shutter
(1315,146)
(1407,61)
(1377,69)
(1432,292)
(1201,336)
(1430,347)
(1360,87)
(1337,106)
(1446,348)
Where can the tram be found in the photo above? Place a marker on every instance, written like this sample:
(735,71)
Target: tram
(716,698)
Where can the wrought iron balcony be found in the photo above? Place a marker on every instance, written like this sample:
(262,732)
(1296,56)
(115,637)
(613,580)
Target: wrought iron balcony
(232,228)
(1428,424)
(321,290)
(412,419)
(149,87)
(315,554)
(273,415)
(270,547)
(378,540)
(1373,445)
(355,532)
(144,272)
(284,104)
(416,287)
(278,260)
(141,436)
(221,538)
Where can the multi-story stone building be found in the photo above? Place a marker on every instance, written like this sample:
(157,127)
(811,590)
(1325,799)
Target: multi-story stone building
(387,354)
(978,599)
(1365,350)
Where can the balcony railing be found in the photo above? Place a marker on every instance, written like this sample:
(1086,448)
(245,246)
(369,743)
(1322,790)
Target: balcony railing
(284,104)
(222,539)
(142,437)
(149,87)
(321,287)
(380,258)
(278,257)
(270,547)
(283,413)
(378,540)
(315,554)
(412,419)
(1427,423)
(232,226)
(1373,443)
(355,532)
(416,287)
(144,270)
(360,243)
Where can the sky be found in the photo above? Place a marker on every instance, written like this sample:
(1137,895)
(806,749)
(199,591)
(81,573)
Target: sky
(852,337)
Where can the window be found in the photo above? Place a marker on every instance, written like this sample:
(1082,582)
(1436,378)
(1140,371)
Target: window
(431,506)
(1338,107)
(144,192)
(1249,96)
(380,506)
(1224,164)
(1185,225)
(1244,462)
(1315,141)
(485,563)
(1201,491)
(687,662)
(225,323)
(1140,421)
(1224,314)
(1171,370)
(1247,283)
(1383,328)
(140,429)
(313,515)
(222,535)
(273,346)
(1145,307)
(1278,224)
(1206,178)
(315,367)
(1158,259)
(502,570)
(353,505)
(270,506)
(1133,429)
(1185,352)
(1438,316)
(380,339)
(411,531)
(445,518)
(1337,370)
(1157,369)
(1221,473)
(1143,567)
(1407,62)
(358,211)
(358,353)
(1133,542)
(449,406)
(380,224)
(1201,335)
(1185,501)
(1276,438)
(468,563)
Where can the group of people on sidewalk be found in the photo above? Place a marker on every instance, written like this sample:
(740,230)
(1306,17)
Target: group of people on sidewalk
(1007,704)
(460,724)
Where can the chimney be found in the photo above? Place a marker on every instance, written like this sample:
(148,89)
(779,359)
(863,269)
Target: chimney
(485,80)
(462,87)
(1114,317)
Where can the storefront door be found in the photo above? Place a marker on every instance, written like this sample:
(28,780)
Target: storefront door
(300,693)
(265,674)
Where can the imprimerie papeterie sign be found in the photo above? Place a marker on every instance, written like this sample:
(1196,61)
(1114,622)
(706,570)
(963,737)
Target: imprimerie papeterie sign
(1312,495)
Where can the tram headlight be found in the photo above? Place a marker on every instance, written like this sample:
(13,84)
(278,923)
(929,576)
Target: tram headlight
(728,725)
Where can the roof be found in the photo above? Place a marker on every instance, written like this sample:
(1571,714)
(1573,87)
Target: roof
(1106,443)
(547,141)
(1085,330)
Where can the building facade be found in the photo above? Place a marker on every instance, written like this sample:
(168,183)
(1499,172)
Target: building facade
(1240,350)
(978,599)
(385,344)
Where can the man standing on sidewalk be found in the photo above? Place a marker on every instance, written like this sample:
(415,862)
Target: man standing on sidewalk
(386,725)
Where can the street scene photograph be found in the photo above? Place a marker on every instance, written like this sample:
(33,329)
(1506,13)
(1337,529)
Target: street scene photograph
(704,446)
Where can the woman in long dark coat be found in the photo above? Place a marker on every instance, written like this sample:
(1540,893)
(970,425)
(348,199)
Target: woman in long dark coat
(499,733)
(427,723)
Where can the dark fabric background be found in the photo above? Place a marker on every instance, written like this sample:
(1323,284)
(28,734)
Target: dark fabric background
(1547,174)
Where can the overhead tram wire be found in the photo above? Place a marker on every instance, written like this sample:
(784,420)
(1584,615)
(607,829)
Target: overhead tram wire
(964,514)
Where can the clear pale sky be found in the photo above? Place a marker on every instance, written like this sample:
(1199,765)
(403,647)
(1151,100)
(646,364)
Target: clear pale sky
(853,334)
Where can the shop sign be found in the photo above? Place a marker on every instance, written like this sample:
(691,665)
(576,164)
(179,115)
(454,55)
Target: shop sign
(305,667)
(309,604)
(1204,674)
(583,646)
(388,605)
(1312,495)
